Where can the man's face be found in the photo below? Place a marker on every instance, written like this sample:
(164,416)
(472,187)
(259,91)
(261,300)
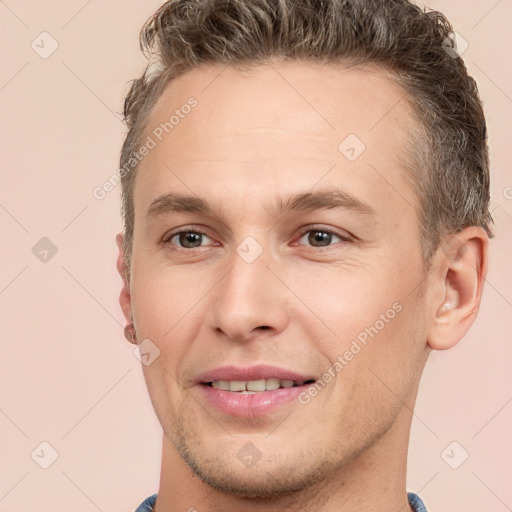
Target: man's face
(298,289)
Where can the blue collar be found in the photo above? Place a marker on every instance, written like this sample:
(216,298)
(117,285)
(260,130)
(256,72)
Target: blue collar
(414,500)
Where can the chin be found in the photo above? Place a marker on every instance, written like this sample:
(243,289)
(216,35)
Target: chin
(252,483)
(280,474)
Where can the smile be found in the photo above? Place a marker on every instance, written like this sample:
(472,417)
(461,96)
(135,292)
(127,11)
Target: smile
(256,386)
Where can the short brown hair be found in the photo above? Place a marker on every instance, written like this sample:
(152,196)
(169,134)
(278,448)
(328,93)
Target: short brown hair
(448,156)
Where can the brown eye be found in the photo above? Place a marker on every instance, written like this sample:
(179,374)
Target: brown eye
(186,239)
(321,237)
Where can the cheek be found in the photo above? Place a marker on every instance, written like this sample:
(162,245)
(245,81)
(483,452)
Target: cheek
(347,302)
(164,314)
(163,301)
(384,372)
(369,323)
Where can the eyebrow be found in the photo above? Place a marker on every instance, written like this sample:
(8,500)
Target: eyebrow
(307,201)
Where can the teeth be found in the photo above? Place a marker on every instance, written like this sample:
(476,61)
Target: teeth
(252,386)
(236,385)
(256,385)
(221,384)
(272,383)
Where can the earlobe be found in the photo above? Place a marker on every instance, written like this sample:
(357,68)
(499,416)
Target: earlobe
(124,297)
(462,267)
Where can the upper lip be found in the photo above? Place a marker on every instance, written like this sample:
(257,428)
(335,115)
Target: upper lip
(256,372)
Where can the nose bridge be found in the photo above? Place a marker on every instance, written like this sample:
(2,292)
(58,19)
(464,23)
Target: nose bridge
(250,296)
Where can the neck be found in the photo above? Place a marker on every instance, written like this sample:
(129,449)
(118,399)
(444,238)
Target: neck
(373,480)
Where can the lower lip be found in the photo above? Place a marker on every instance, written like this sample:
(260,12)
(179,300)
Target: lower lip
(249,405)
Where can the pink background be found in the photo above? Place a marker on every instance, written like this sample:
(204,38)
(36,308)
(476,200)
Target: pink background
(69,378)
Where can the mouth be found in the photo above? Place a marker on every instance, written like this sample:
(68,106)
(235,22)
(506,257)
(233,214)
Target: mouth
(256,386)
(248,392)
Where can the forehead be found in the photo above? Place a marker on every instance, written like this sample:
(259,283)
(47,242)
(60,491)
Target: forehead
(280,127)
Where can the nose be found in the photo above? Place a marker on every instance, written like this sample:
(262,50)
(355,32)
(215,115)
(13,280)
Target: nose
(250,299)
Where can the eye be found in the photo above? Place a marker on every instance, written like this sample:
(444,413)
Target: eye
(186,238)
(320,237)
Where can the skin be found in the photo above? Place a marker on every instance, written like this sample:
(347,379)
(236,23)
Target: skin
(253,138)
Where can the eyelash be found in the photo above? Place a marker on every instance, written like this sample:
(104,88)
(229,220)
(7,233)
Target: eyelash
(344,238)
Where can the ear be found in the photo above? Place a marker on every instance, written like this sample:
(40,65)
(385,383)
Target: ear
(124,297)
(461,268)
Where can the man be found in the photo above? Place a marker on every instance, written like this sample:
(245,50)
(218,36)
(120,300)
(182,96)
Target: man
(305,198)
